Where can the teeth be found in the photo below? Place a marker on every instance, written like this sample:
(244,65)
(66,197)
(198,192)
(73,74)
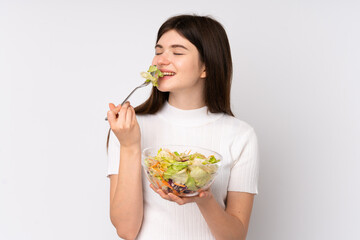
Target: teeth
(168,73)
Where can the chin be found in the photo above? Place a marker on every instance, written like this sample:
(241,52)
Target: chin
(163,87)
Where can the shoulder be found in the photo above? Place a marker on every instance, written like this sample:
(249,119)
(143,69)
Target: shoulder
(236,126)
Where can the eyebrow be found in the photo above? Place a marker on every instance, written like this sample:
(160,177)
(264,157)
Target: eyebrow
(172,46)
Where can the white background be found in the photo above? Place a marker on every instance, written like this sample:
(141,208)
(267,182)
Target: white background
(296,81)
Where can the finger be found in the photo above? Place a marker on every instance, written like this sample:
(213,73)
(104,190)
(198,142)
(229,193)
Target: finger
(163,195)
(117,110)
(123,111)
(114,109)
(182,200)
(118,107)
(153,188)
(111,115)
(111,106)
(203,194)
(133,119)
(176,199)
(128,118)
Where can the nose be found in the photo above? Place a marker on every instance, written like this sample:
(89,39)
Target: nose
(161,60)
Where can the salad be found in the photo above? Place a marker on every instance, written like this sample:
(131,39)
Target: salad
(152,75)
(180,173)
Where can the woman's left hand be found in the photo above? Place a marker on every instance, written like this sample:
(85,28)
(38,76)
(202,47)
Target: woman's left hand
(201,198)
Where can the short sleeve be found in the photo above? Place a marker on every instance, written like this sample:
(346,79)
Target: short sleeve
(113,155)
(244,172)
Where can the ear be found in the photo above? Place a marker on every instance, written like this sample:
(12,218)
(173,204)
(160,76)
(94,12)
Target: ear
(203,74)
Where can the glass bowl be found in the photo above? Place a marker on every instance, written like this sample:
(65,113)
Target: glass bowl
(179,169)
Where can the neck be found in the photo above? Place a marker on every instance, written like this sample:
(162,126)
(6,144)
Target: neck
(197,116)
(188,98)
(186,101)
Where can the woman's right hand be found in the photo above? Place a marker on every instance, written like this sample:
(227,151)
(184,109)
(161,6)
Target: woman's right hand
(125,125)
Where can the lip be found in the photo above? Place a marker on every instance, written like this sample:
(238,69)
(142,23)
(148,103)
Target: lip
(166,70)
(167,76)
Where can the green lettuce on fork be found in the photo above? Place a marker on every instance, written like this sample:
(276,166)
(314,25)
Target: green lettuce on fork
(152,75)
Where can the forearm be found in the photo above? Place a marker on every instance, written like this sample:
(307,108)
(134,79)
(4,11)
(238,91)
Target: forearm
(222,224)
(126,210)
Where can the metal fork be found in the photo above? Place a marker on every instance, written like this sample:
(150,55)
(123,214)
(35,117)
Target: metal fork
(142,85)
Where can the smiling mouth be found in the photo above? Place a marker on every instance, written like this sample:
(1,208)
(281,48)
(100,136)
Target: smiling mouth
(168,74)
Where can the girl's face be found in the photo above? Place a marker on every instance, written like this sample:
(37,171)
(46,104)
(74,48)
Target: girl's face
(179,60)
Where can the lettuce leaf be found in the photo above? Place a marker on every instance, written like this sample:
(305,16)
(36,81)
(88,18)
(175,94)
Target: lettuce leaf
(152,75)
(190,183)
(174,168)
(200,176)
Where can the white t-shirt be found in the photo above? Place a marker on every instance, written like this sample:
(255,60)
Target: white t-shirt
(234,139)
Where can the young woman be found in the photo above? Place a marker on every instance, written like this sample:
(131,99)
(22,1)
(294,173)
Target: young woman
(191,106)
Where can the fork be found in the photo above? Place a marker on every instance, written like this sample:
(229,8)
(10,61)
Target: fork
(142,85)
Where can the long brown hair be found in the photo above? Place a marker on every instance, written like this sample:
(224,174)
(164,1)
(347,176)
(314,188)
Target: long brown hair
(210,39)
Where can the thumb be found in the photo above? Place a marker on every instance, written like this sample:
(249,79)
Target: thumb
(203,194)
(111,106)
(111,116)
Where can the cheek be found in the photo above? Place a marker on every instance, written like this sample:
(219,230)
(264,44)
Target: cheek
(192,67)
(186,64)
